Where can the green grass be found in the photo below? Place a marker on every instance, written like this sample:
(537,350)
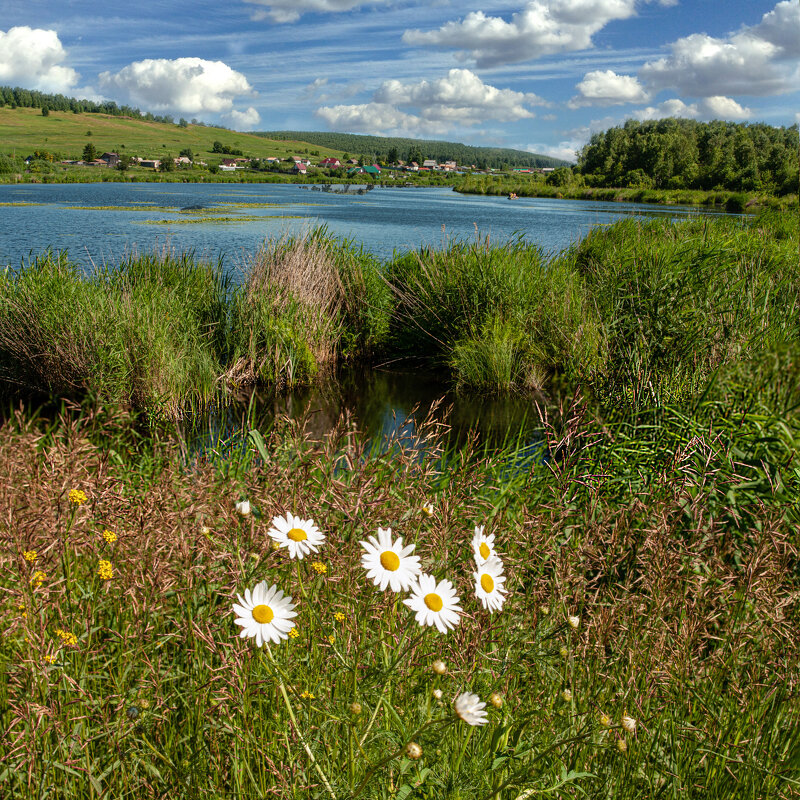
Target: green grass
(674,544)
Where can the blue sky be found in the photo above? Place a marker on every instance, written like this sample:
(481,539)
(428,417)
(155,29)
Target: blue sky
(538,75)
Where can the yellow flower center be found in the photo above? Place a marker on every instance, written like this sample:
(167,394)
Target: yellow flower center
(297,535)
(263,614)
(390,560)
(484,550)
(433,601)
(487,584)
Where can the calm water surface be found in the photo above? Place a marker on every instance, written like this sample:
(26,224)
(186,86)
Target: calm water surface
(100,223)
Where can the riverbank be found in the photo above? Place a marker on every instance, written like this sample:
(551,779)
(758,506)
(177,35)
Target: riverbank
(633,309)
(735,202)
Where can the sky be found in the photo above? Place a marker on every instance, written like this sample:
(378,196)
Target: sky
(535,75)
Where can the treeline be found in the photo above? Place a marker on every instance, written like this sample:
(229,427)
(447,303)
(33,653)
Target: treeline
(686,154)
(381,148)
(15,97)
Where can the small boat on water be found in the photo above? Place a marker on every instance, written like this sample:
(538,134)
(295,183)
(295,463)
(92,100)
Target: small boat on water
(512,196)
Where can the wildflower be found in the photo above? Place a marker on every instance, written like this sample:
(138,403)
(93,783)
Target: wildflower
(437,693)
(319,568)
(301,536)
(204,530)
(470,709)
(294,633)
(30,555)
(266,614)
(307,695)
(622,745)
(413,751)
(104,570)
(109,536)
(482,546)
(132,712)
(605,720)
(439,667)
(77,497)
(496,700)
(574,622)
(22,609)
(566,696)
(331,639)
(544,609)
(427,509)
(489,580)
(50,659)
(338,616)
(564,653)
(629,723)
(68,638)
(38,578)
(434,603)
(355,708)
(243,508)
(388,563)
(144,702)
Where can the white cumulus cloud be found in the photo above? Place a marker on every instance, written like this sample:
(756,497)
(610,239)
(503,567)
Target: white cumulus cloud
(756,60)
(32,57)
(244,120)
(717,107)
(190,85)
(606,88)
(460,95)
(291,10)
(540,28)
(377,118)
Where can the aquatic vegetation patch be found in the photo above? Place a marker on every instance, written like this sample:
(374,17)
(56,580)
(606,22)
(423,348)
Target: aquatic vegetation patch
(198,221)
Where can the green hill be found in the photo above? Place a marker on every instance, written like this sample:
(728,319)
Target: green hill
(379,148)
(66,133)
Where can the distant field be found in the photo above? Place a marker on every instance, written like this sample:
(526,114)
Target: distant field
(23,130)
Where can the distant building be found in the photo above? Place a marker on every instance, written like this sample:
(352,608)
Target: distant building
(330,163)
(112,159)
(299,168)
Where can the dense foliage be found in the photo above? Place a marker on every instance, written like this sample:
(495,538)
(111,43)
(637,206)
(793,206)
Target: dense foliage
(686,154)
(417,149)
(27,98)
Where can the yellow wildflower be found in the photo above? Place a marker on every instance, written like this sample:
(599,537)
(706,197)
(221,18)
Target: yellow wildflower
(331,639)
(104,570)
(50,659)
(294,633)
(38,578)
(319,568)
(30,555)
(109,536)
(338,616)
(77,497)
(69,639)
(307,695)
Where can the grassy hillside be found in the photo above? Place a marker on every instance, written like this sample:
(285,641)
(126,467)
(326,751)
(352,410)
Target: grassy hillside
(427,148)
(23,130)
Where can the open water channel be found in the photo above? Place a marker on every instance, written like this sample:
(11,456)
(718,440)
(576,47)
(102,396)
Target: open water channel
(100,223)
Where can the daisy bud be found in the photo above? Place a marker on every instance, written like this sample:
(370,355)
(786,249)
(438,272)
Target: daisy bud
(413,751)
(622,745)
(574,622)
(544,609)
(205,530)
(629,723)
(243,507)
(427,509)
(355,709)
(605,720)
(437,693)
(439,667)
(566,695)
(496,700)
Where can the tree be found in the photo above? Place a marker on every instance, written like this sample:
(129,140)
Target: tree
(123,163)
(89,152)
(187,151)
(45,111)
(392,157)
(182,123)
(167,164)
(217,147)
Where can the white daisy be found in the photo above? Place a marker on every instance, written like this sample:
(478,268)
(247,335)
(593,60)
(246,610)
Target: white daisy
(243,507)
(489,580)
(470,709)
(388,563)
(301,536)
(434,603)
(482,546)
(266,614)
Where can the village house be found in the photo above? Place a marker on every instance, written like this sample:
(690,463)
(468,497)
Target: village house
(330,163)
(111,159)
(429,163)
(299,168)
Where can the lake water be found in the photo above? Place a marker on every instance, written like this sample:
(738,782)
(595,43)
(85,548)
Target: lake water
(101,222)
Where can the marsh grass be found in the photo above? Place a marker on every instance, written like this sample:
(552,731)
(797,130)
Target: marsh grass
(672,538)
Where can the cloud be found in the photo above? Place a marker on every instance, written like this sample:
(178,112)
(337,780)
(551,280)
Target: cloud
(717,107)
(566,150)
(291,10)
(378,118)
(32,57)
(323,91)
(461,95)
(758,60)
(431,107)
(244,120)
(190,85)
(540,29)
(606,88)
